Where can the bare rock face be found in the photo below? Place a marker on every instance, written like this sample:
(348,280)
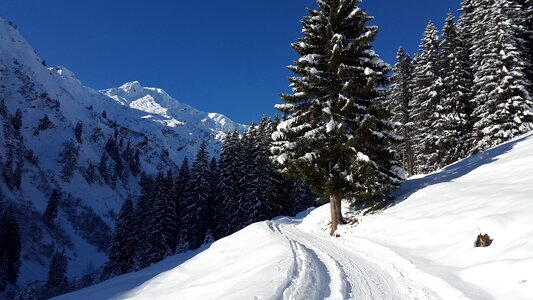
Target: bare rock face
(483,240)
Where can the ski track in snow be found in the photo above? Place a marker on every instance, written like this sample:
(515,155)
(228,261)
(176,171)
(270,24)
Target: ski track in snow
(336,268)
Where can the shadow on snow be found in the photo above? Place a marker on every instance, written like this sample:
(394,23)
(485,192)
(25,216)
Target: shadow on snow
(455,170)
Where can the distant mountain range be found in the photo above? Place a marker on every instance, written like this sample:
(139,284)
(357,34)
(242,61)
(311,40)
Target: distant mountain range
(92,146)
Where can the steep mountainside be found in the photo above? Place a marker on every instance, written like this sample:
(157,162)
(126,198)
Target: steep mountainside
(92,146)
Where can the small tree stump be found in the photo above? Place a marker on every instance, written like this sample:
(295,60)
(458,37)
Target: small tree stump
(483,240)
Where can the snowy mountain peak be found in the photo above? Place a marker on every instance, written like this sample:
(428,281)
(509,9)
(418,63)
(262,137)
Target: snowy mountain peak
(166,110)
(133,87)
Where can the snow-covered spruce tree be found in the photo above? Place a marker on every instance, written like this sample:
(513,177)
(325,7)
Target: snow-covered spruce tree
(473,25)
(180,186)
(427,103)
(300,195)
(503,105)
(50,213)
(247,198)
(526,10)
(161,238)
(336,135)
(57,282)
(400,97)
(457,94)
(227,218)
(196,197)
(121,249)
(102,167)
(212,178)
(168,218)
(272,185)
(257,202)
(144,222)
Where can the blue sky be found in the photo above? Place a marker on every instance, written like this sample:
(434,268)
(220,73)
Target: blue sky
(218,56)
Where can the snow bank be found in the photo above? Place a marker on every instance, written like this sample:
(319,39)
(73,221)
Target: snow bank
(250,264)
(436,224)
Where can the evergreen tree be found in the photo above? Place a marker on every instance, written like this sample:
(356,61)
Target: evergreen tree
(163,238)
(195,207)
(427,103)
(271,195)
(227,221)
(144,222)
(300,195)
(57,282)
(526,34)
(337,134)
(50,213)
(90,173)
(248,197)
(16,121)
(180,186)
(457,93)
(102,167)
(503,106)
(9,249)
(211,200)
(121,250)
(400,105)
(78,130)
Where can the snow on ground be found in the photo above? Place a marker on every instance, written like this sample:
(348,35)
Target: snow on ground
(420,248)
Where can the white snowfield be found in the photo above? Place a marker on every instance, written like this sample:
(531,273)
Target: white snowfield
(420,248)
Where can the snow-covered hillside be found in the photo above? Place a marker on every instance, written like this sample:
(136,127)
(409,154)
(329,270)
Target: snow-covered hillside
(420,248)
(56,133)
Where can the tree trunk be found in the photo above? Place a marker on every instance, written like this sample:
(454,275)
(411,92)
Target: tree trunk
(338,210)
(334,220)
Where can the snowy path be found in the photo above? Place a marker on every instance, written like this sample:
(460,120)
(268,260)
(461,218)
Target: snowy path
(337,268)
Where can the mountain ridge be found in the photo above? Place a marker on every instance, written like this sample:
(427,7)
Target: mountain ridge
(56,133)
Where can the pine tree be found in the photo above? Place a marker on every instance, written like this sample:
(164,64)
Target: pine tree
(144,222)
(196,197)
(227,221)
(503,106)
(427,103)
(180,186)
(400,105)
(10,248)
(102,167)
(249,197)
(78,130)
(211,200)
(90,173)
(457,93)
(528,11)
(163,235)
(337,134)
(16,121)
(121,250)
(300,195)
(526,33)
(57,282)
(50,213)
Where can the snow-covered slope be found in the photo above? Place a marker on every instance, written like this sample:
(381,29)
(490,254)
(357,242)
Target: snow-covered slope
(420,248)
(66,129)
